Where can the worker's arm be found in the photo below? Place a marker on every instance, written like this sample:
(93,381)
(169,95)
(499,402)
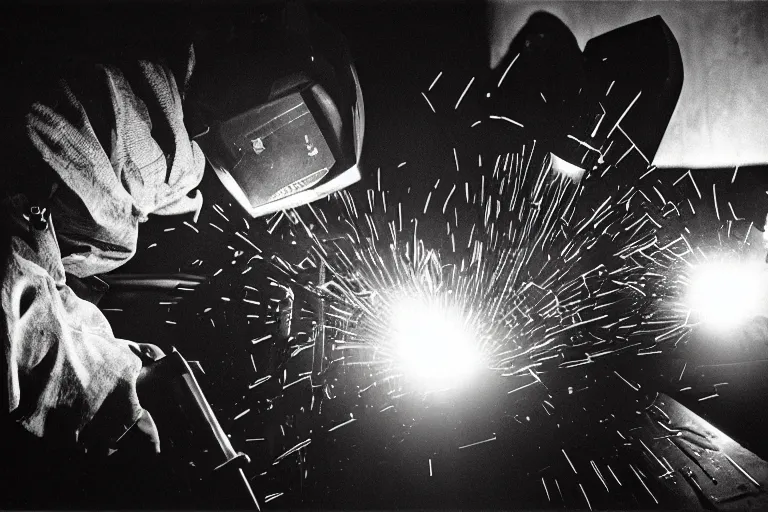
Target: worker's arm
(68,378)
(114,139)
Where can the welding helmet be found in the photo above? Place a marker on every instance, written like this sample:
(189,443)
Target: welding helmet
(607,105)
(281,112)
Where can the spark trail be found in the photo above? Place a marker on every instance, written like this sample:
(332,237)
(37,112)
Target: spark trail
(530,276)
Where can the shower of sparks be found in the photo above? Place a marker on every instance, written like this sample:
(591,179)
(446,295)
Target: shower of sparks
(516,275)
(527,288)
(526,280)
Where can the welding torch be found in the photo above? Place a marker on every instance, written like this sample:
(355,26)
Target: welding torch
(189,428)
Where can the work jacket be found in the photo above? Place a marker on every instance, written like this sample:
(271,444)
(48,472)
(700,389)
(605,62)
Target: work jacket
(111,142)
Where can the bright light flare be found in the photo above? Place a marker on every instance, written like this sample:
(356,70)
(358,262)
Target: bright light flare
(725,294)
(433,346)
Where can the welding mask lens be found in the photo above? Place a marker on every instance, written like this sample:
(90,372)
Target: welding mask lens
(285,153)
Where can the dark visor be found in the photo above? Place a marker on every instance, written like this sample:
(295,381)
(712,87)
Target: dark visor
(278,149)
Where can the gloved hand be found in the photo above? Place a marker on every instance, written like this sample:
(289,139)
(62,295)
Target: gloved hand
(145,426)
(71,381)
(105,434)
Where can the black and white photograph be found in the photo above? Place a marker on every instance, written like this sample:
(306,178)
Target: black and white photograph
(384,255)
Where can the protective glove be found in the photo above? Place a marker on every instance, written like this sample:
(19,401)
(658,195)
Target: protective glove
(106,434)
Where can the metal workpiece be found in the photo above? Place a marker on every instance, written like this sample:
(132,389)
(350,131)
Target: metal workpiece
(705,465)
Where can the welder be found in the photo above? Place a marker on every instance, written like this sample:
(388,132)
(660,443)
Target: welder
(275,111)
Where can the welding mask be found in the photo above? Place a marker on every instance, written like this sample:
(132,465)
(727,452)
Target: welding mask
(280,113)
(607,105)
